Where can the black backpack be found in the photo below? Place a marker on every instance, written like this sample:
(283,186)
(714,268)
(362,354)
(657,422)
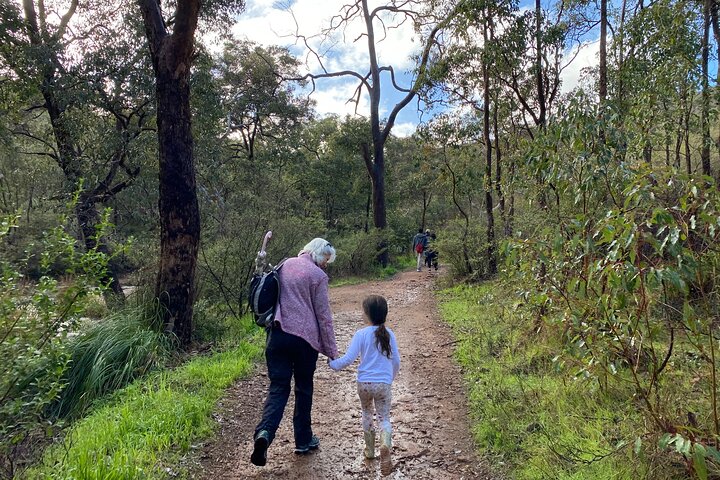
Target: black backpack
(264,295)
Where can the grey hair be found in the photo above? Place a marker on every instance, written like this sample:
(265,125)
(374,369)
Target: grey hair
(318,248)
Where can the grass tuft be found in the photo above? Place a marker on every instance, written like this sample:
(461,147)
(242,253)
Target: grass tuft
(149,424)
(108,356)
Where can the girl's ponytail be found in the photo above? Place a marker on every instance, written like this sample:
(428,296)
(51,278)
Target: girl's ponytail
(375,307)
(382,339)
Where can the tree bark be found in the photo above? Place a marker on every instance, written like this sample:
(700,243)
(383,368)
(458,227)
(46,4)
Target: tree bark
(602,85)
(705,101)
(498,172)
(538,64)
(179,212)
(715,21)
(491,249)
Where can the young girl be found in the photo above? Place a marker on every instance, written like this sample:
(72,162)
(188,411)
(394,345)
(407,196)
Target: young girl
(379,363)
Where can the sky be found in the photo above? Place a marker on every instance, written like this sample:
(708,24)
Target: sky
(270,22)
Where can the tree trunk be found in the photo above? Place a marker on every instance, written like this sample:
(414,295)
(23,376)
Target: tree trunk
(491,250)
(464,239)
(86,209)
(602,85)
(538,64)
(88,219)
(498,171)
(179,212)
(705,109)
(426,202)
(379,212)
(367,212)
(647,151)
(67,153)
(715,20)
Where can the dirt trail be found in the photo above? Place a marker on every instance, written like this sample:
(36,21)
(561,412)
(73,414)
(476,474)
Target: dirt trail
(431,434)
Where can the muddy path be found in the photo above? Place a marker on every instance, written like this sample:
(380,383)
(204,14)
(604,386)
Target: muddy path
(431,434)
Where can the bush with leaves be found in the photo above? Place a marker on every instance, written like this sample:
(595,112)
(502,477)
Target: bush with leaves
(35,321)
(357,253)
(625,267)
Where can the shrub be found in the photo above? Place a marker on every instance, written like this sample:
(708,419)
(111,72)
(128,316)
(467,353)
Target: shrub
(356,254)
(108,356)
(464,254)
(35,320)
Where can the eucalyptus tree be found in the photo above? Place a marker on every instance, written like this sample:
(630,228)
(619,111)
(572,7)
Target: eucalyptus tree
(428,18)
(484,36)
(257,102)
(79,80)
(660,56)
(454,140)
(705,85)
(171,35)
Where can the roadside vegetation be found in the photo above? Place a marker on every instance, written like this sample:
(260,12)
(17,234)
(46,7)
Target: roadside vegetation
(542,420)
(141,431)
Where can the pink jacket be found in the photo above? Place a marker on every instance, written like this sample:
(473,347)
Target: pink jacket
(305,305)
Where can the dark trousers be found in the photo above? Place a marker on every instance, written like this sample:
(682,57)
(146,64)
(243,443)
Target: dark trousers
(289,356)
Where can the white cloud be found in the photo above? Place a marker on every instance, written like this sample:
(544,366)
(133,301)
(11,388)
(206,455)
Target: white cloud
(270,22)
(580,57)
(404,129)
(333,99)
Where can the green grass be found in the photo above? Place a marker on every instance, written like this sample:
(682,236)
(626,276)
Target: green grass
(150,423)
(109,355)
(379,273)
(529,413)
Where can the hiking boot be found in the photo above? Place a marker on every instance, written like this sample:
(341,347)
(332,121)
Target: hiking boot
(259,454)
(369,436)
(385,446)
(312,445)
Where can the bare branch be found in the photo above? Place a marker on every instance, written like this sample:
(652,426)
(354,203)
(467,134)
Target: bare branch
(392,76)
(65,19)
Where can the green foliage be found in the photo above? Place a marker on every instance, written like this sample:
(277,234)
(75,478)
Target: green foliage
(214,324)
(35,321)
(540,420)
(624,269)
(463,252)
(150,423)
(108,356)
(356,254)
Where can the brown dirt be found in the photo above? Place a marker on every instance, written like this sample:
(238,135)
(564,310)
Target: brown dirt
(431,434)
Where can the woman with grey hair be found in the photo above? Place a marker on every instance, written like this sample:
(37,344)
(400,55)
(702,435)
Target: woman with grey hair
(303,327)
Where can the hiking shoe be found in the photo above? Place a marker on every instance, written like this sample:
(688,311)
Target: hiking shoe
(259,454)
(312,445)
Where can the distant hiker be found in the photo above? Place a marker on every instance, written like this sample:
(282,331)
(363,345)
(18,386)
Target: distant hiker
(303,327)
(379,364)
(419,243)
(431,255)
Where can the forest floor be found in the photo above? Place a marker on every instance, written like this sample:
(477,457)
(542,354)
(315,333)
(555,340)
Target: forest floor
(431,427)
